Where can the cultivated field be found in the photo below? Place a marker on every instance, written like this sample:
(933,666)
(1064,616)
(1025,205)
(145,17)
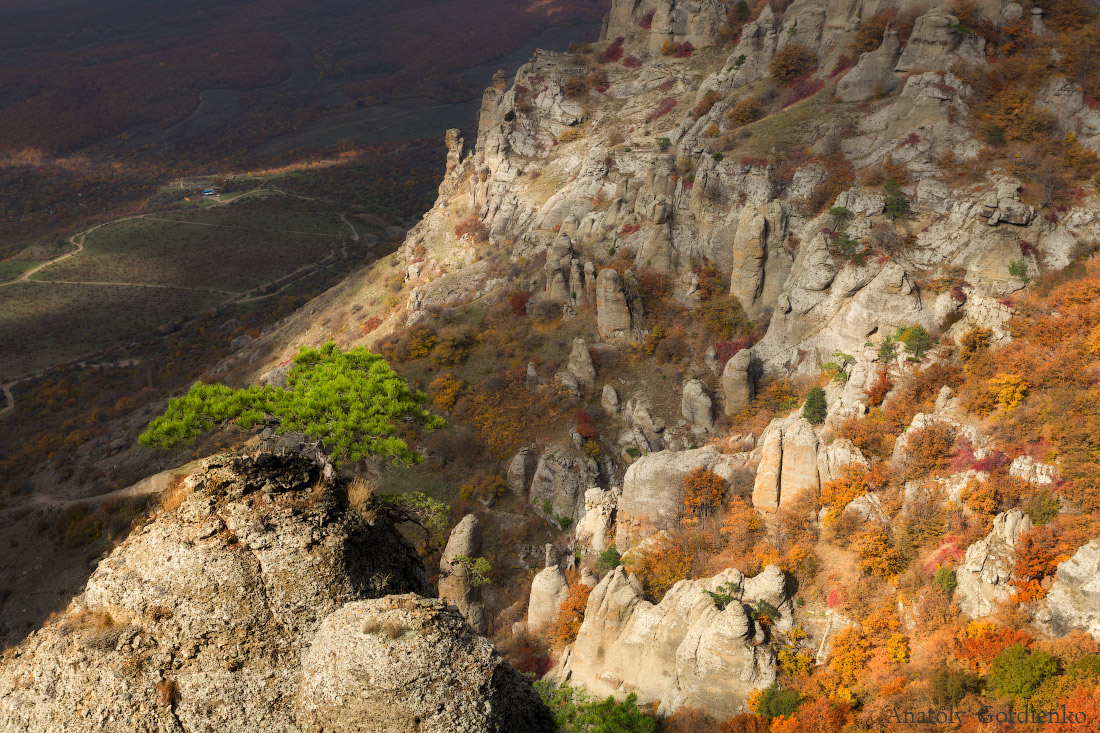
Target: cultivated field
(205,249)
(42,324)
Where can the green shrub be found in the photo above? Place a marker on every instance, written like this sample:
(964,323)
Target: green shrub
(608,560)
(815,408)
(950,686)
(1018,672)
(916,340)
(896,205)
(1018,270)
(1042,506)
(348,400)
(945,580)
(575,711)
(776,701)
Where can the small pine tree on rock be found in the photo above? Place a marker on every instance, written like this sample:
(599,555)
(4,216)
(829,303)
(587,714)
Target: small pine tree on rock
(815,408)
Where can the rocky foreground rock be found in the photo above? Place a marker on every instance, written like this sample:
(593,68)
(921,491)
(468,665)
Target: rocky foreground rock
(262,603)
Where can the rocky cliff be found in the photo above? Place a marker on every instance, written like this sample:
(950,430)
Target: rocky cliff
(262,602)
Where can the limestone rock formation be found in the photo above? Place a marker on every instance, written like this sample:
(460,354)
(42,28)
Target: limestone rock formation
(684,651)
(548,591)
(246,609)
(873,75)
(406,663)
(609,401)
(1073,601)
(653,490)
(520,470)
(788,464)
(697,406)
(983,577)
(454,576)
(562,475)
(737,384)
(596,528)
(937,42)
(580,364)
(614,317)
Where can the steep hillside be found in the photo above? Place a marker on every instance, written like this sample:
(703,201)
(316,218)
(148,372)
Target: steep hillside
(767,341)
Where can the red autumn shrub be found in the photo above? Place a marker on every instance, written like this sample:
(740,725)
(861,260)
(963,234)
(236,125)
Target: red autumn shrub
(803,87)
(663,108)
(518,301)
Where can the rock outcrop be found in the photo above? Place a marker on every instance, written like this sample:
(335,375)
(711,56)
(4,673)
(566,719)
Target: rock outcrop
(1073,601)
(983,577)
(873,75)
(597,527)
(560,480)
(580,364)
(736,383)
(614,317)
(455,586)
(696,406)
(248,608)
(548,591)
(406,663)
(788,464)
(685,651)
(653,490)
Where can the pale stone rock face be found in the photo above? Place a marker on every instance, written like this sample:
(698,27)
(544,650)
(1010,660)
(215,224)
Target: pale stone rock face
(682,652)
(1073,601)
(561,478)
(788,464)
(597,527)
(580,364)
(737,385)
(548,591)
(520,470)
(934,43)
(653,490)
(874,73)
(405,663)
(697,406)
(609,400)
(454,579)
(613,315)
(1029,469)
(252,599)
(983,577)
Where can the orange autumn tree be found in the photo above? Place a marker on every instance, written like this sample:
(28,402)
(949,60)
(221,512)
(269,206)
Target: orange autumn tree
(854,481)
(1036,558)
(703,494)
(571,615)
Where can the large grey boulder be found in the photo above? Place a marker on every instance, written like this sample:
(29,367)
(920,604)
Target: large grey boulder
(682,652)
(580,364)
(455,586)
(200,620)
(548,591)
(873,75)
(1073,601)
(596,528)
(788,452)
(936,42)
(406,663)
(613,313)
(561,477)
(983,578)
(736,383)
(696,405)
(653,490)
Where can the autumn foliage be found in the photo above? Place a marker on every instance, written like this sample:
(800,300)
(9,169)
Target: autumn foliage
(571,615)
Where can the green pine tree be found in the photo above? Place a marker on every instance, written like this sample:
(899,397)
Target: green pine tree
(815,408)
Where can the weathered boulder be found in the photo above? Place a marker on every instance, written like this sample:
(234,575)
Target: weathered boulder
(454,575)
(937,41)
(697,406)
(873,75)
(596,528)
(561,478)
(684,651)
(788,464)
(736,383)
(548,591)
(580,364)
(761,230)
(613,314)
(653,490)
(200,619)
(609,401)
(1029,469)
(1073,601)
(983,577)
(520,470)
(405,663)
